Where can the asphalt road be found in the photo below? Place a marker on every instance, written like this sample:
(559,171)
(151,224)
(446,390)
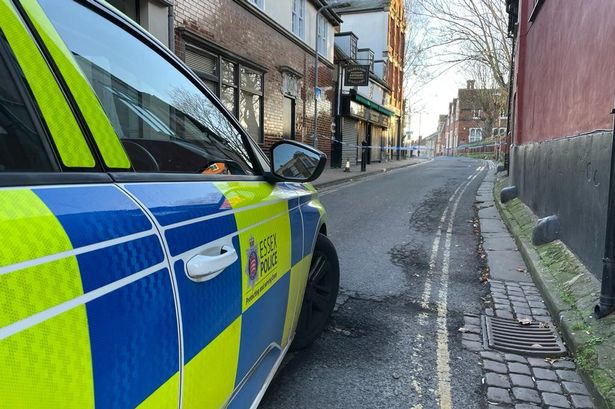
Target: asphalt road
(409,271)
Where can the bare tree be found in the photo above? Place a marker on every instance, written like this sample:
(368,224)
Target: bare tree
(468,32)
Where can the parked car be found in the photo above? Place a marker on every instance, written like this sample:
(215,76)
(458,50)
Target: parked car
(151,254)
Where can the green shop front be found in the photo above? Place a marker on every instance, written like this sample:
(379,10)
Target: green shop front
(365,120)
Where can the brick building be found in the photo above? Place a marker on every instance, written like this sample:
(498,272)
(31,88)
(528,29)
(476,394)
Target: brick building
(257,56)
(472,122)
(561,123)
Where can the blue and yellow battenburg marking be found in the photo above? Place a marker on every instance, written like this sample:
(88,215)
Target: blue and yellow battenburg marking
(98,351)
(71,336)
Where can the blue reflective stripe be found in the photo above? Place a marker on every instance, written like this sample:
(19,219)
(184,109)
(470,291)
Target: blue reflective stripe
(262,324)
(208,307)
(177,202)
(296,232)
(311,220)
(246,395)
(104,266)
(184,238)
(133,337)
(110,213)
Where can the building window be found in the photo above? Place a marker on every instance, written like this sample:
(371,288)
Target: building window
(353,47)
(258,3)
(476,114)
(239,88)
(322,35)
(476,135)
(298,23)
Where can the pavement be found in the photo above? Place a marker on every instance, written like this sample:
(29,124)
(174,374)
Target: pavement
(333,176)
(516,380)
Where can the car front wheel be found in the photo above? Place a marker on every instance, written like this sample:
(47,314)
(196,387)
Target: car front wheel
(320,293)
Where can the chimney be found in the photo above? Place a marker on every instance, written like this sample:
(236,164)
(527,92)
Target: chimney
(470,84)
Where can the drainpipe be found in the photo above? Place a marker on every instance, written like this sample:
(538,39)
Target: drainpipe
(607,294)
(171,27)
(508,138)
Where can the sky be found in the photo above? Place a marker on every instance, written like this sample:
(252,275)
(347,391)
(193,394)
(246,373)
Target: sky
(433,101)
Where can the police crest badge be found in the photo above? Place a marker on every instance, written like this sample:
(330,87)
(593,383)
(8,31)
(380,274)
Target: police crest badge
(252,264)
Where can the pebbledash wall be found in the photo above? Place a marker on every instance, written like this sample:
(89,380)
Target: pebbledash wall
(243,32)
(563,93)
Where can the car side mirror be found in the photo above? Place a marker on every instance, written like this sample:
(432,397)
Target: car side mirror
(296,162)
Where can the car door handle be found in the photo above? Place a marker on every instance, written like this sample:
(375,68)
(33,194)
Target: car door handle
(211,262)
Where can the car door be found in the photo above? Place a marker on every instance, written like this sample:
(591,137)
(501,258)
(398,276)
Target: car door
(86,298)
(233,242)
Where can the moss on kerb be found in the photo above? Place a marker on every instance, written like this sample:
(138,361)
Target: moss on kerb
(571,293)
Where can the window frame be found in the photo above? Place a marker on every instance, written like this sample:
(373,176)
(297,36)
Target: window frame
(132,28)
(195,44)
(34,113)
(298,17)
(258,3)
(476,130)
(322,40)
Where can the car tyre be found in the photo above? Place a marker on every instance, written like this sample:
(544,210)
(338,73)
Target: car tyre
(320,293)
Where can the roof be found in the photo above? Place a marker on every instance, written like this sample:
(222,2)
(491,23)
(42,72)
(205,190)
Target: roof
(365,5)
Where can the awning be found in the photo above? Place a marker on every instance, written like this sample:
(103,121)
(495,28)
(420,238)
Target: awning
(373,105)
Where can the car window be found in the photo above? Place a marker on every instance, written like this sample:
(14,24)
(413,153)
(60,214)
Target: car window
(21,143)
(165,122)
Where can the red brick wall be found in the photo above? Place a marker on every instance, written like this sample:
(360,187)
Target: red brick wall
(235,28)
(564,78)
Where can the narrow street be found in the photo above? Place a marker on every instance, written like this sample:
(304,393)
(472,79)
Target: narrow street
(409,272)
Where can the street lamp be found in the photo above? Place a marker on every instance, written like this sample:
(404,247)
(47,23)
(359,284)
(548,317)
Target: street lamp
(336,5)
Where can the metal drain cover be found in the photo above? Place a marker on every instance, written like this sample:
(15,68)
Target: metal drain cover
(534,339)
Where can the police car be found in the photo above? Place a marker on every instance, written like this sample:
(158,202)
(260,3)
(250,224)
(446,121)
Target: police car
(152,256)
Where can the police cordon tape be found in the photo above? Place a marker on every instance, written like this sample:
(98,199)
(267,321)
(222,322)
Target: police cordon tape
(392,148)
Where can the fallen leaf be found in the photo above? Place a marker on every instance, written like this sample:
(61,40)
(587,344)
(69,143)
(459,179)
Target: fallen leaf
(463,329)
(521,269)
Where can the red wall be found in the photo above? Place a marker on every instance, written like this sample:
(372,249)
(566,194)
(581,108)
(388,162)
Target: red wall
(566,69)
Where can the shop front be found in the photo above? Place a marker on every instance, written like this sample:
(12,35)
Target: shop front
(364,121)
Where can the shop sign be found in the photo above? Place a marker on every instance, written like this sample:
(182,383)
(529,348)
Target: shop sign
(356,76)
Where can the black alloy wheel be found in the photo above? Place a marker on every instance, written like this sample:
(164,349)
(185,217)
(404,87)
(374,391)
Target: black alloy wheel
(320,293)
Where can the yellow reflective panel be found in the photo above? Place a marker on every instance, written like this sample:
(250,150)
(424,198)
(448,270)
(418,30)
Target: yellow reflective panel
(48,365)
(264,235)
(106,139)
(209,377)
(72,147)
(296,289)
(166,396)
(29,229)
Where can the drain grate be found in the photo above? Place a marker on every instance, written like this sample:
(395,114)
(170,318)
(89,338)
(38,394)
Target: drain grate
(534,339)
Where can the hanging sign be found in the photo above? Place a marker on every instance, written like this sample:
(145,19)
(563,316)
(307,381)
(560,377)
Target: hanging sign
(357,76)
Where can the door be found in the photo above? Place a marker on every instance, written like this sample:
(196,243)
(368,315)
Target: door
(233,243)
(288,118)
(86,296)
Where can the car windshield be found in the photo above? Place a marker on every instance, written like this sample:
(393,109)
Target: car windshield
(166,123)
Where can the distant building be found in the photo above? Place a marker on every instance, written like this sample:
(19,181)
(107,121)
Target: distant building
(380,27)
(474,121)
